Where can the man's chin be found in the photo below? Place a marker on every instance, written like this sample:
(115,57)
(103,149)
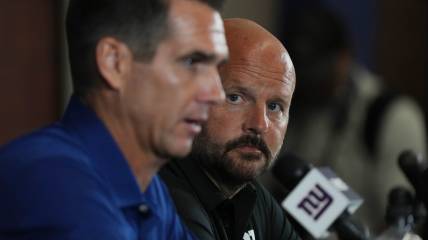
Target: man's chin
(247,171)
(180,150)
(242,157)
(252,157)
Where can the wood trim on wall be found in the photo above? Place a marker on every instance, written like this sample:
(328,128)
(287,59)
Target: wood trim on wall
(29,66)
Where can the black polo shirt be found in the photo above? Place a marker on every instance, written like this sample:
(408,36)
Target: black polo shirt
(252,214)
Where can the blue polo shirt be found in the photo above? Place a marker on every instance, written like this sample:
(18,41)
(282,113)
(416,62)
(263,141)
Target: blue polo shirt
(70,181)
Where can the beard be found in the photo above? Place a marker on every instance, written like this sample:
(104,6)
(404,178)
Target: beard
(229,165)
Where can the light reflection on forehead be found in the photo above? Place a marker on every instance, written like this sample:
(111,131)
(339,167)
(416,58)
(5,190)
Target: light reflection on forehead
(218,35)
(289,68)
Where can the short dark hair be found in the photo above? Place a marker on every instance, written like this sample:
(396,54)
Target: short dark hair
(141,24)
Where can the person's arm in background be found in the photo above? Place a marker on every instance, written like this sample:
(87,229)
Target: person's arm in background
(402,128)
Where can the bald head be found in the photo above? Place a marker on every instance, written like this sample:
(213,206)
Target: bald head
(252,46)
(244,134)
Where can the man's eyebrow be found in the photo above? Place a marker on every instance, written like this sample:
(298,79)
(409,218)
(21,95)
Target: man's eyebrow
(281,100)
(200,57)
(247,92)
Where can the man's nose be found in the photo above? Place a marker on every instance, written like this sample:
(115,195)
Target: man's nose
(256,120)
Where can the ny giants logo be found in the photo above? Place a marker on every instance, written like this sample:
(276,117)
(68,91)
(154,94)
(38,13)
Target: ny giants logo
(316,202)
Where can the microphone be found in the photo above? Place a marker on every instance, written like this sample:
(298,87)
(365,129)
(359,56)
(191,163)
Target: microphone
(400,216)
(415,168)
(424,191)
(400,207)
(318,200)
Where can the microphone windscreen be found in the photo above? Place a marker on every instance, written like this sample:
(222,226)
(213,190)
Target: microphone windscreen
(408,163)
(424,191)
(290,169)
(400,205)
(413,167)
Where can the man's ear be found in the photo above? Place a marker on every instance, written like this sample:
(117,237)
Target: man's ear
(114,60)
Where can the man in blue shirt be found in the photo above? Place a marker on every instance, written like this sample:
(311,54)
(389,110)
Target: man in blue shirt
(144,76)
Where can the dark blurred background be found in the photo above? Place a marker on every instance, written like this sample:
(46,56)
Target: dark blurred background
(390,37)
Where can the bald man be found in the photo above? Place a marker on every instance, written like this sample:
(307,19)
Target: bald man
(214,188)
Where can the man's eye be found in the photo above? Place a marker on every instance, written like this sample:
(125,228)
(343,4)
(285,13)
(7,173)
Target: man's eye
(233,98)
(275,107)
(195,59)
(189,61)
